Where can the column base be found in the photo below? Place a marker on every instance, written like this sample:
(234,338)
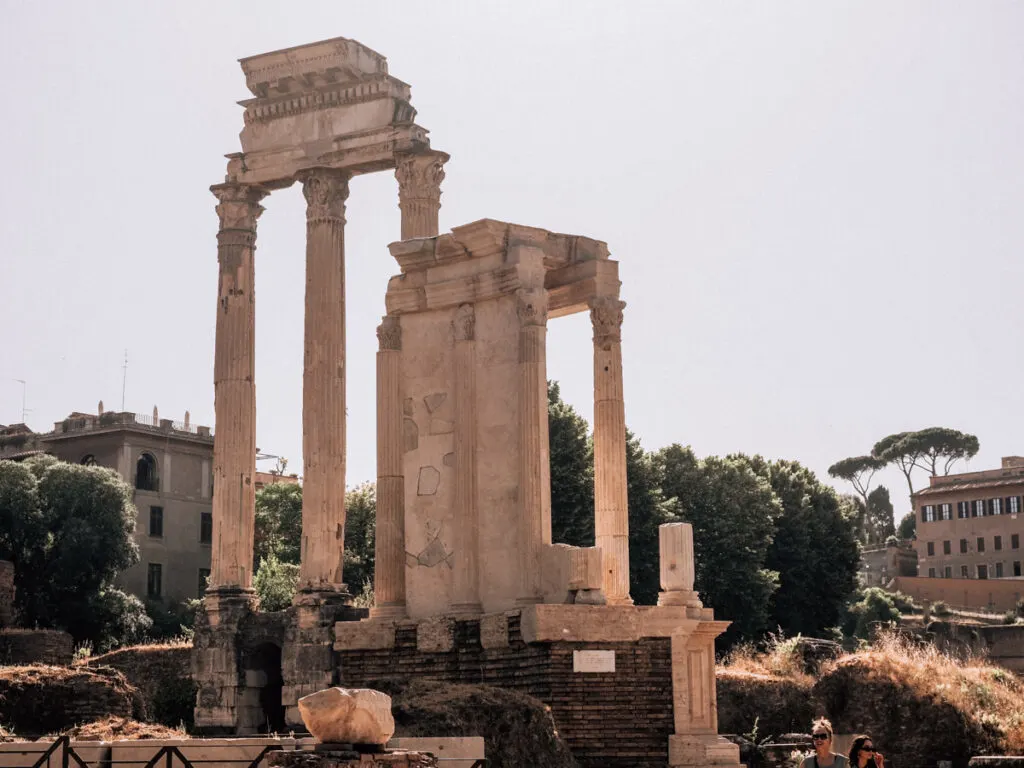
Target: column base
(535,600)
(322,594)
(460,610)
(685,750)
(688,598)
(627,600)
(389,611)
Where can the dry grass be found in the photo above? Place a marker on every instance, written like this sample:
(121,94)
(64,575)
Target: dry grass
(991,696)
(120,728)
(779,659)
(161,645)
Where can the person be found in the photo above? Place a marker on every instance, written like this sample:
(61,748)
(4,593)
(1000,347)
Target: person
(823,757)
(863,754)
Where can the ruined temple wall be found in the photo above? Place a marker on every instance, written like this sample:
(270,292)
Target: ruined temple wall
(429,377)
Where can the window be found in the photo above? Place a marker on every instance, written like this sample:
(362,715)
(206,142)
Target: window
(963,572)
(979,508)
(89,460)
(1013,505)
(999,570)
(946,511)
(928,513)
(1015,541)
(963,509)
(145,473)
(947,547)
(981,543)
(204,577)
(997,543)
(982,571)
(931,573)
(206,527)
(963,546)
(948,572)
(156,522)
(154,587)
(931,549)
(1016,567)
(996,506)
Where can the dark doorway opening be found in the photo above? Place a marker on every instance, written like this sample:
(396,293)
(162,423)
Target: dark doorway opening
(265,662)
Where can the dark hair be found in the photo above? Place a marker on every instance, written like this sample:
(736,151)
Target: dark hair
(856,747)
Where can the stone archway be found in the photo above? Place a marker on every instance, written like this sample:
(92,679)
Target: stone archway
(263,711)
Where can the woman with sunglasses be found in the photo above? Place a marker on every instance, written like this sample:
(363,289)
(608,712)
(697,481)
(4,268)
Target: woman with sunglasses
(863,754)
(823,757)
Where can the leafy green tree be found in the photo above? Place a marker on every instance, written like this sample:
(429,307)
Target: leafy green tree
(879,523)
(898,450)
(908,526)
(732,511)
(68,529)
(278,528)
(814,550)
(275,583)
(360,542)
(927,450)
(572,473)
(648,509)
(858,471)
(875,607)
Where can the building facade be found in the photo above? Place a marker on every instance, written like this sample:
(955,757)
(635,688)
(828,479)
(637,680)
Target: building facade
(168,463)
(880,565)
(969,525)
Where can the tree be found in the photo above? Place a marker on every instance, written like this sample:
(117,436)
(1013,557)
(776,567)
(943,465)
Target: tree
(69,530)
(648,509)
(572,473)
(875,607)
(908,526)
(360,541)
(275,583)
(878,522)
(732,512)
(896,449)
(942,446)
(278,529)
(814,549)
(858,471)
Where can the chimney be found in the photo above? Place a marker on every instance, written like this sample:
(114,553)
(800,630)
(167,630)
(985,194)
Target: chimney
(187,419)
(99,409)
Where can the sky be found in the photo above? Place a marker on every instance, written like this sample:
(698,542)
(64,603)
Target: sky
(817,207)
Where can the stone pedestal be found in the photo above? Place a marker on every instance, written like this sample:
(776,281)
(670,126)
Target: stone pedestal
(234,446)
(216,662)
(323,381)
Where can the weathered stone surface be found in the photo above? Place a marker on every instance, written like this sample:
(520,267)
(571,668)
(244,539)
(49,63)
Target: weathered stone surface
(352,716)
(428,481)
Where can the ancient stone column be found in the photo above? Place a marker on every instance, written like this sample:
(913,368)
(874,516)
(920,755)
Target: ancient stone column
(323,382)
(675,549)
(419,192)
(234,445)
(389,565)
(611,514)
(465,576)
(534,468)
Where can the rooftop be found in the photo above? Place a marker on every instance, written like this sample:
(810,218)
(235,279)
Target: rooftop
(111,421)
(1010,472)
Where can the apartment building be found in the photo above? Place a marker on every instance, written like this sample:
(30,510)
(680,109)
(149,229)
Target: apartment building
(969,525)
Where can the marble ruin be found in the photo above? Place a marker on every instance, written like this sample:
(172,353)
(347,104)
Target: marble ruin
(465,564)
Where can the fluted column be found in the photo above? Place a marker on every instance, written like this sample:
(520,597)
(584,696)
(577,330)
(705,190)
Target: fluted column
(419,192)
(611,512)
(389,563)
(676,565)
(323,382)
(234,445)
(534,468)
(466,532)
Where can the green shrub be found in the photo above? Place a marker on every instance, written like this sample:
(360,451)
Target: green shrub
(904,602)
(941,608)
(876,607)
(275,583)
(1010,617)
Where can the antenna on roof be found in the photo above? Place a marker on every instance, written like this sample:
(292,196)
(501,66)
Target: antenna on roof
(124,379)
(24,387)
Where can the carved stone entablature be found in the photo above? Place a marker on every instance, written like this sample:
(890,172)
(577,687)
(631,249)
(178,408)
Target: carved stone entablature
(389,334)
(532,306)
(464,323)
(239,205)
(420,176)
(303,67)
(606,317)
(262,110)
(326,191)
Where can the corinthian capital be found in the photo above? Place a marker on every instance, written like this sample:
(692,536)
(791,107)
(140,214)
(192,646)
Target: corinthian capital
(606,317)
(420,176)
(389,334)
(326,191)
(239,205)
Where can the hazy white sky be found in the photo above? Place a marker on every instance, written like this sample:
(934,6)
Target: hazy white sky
(818,207)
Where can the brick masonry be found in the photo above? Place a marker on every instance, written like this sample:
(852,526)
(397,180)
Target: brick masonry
(613,720)
(36,646)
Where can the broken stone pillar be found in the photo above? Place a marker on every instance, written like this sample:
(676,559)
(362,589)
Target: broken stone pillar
(323,382)
(611,514)
(675,542)
(234,447)
(389,564)
(534,466)
(215,660)
(348,716)
(465,575)
(419,192)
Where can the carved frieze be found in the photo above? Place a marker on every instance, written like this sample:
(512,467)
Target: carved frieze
(239,205)
(326,191)
(420,176)
(389,334)
(464,323)
(532,306)
(606,317)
